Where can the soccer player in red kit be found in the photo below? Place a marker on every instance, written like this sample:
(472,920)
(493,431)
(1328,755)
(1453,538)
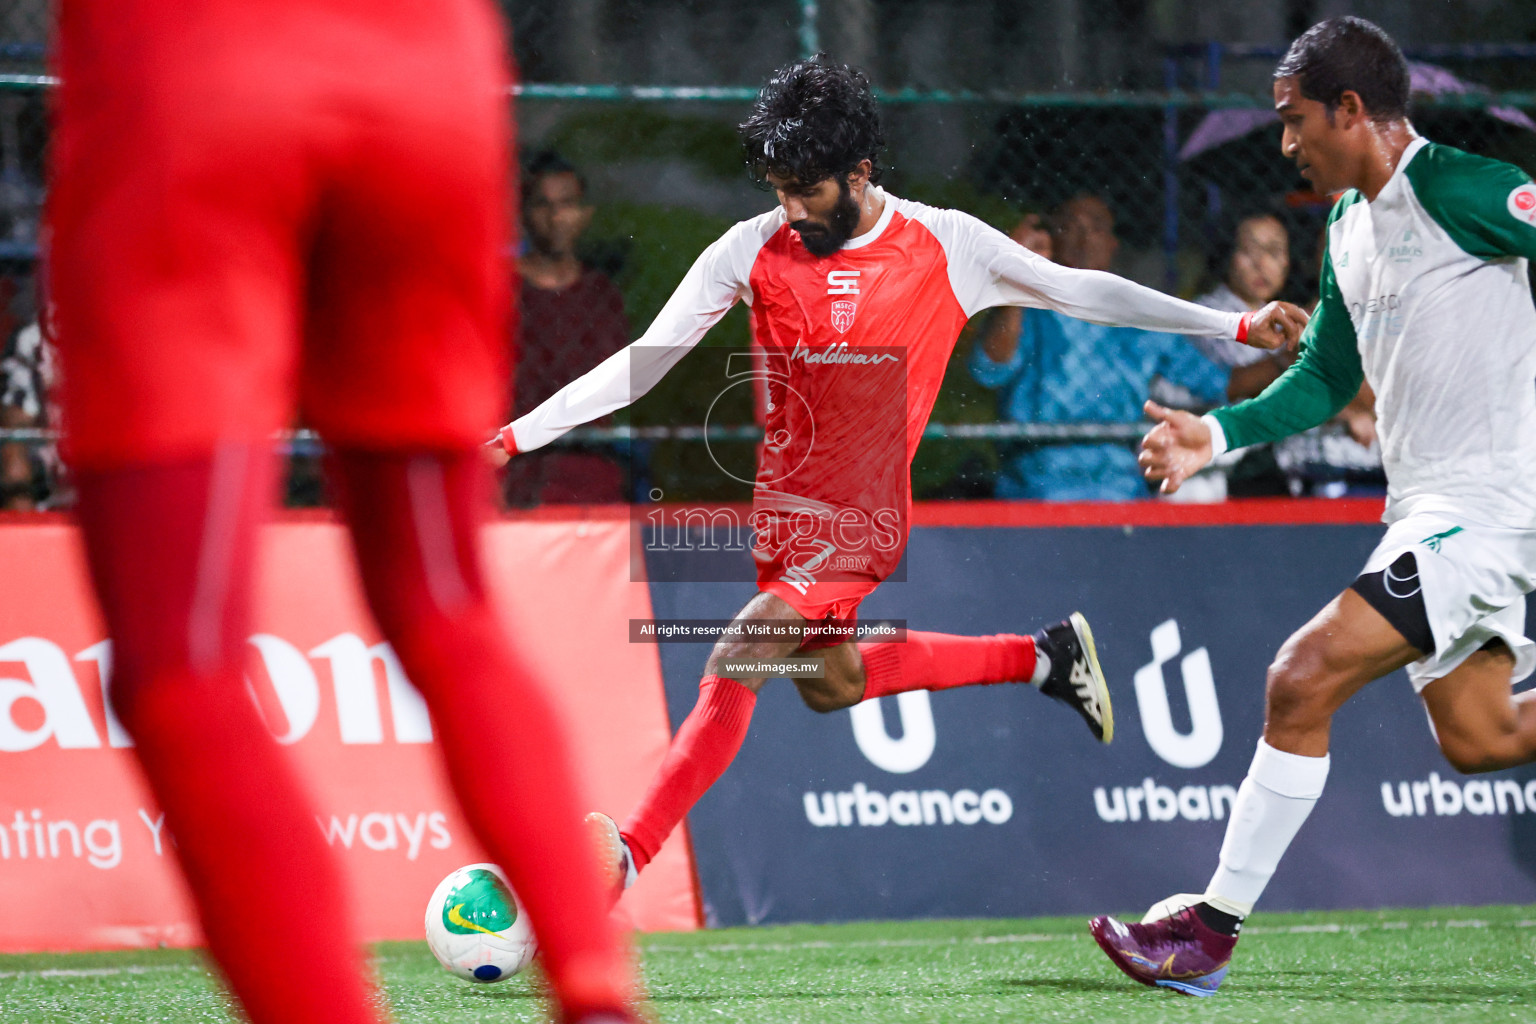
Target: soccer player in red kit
(857,297)
(254,201)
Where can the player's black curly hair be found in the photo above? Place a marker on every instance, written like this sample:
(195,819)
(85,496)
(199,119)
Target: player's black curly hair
(1354,54)
(813,120)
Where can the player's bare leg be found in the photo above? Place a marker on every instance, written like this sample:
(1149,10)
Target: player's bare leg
(1322,665)
(711,735)
(1185,942)
(763,607)
(841,684)
(1479,724)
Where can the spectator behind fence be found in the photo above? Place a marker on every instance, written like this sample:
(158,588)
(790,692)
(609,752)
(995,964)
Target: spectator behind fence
(1335,459)
(1250,266)
(572,319)
(1252,263)
(30,475)
(1050,368)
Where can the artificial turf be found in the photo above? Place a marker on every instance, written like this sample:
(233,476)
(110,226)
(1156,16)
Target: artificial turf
(1462,964)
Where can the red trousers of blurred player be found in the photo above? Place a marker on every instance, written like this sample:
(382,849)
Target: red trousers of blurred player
(301,199)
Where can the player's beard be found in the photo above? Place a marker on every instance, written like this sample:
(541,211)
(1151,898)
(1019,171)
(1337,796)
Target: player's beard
(822,240)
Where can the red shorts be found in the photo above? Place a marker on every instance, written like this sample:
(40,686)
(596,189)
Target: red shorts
(257,203)
(830,606)
(819,572)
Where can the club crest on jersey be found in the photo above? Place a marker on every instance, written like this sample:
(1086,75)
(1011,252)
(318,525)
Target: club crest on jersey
(842,315)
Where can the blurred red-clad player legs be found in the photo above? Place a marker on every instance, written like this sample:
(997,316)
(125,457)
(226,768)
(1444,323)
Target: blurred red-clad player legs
(253,201)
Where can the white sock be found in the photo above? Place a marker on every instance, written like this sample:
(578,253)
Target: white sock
(1042,667)
(1271,805)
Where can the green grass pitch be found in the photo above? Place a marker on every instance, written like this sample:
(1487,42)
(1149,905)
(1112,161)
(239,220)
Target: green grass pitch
(1448,965)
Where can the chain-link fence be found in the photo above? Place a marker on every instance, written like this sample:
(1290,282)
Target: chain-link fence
(993,108)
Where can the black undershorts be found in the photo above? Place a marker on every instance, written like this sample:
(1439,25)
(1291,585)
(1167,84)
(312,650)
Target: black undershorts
(1395,593)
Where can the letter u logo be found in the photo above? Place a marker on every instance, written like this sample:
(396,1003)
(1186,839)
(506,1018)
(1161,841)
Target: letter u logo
(915,747)
(1198,746)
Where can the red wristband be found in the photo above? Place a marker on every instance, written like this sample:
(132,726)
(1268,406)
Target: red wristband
(1242,327)
(508,440)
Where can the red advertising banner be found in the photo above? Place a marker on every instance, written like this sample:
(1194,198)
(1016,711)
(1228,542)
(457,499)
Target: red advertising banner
(84,855)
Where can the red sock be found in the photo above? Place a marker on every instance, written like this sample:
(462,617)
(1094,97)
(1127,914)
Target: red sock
(938,661)
(704,746)
(170,551)
(415,523)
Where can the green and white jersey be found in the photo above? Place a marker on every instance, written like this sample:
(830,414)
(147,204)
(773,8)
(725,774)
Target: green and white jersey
(1425,294)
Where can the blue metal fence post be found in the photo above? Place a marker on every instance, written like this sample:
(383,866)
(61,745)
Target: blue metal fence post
(1214,52)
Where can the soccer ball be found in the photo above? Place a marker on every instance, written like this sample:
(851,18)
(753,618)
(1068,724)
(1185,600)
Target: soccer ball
(477,927)
(1172,905)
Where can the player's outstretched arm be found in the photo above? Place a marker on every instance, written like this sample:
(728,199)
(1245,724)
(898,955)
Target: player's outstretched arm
(1174,450)
(987,268)
(1105,298)
(607,387)
(1024,279)
(717,279)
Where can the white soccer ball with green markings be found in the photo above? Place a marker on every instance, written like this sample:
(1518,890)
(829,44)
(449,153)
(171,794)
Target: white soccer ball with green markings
(476,926)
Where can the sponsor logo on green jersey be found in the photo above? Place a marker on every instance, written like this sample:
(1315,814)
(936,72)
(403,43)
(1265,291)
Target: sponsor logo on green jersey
(1407,252)
(1434,540)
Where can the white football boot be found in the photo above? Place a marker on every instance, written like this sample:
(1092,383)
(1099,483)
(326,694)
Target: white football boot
(613,856)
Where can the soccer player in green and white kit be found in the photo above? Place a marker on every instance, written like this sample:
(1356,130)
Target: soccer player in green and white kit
(1425,295)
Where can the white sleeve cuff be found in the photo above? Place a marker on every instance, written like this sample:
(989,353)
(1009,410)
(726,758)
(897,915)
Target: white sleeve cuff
(1218,436)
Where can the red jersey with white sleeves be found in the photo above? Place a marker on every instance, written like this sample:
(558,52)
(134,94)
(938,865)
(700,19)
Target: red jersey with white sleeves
(857,344)
(984,267)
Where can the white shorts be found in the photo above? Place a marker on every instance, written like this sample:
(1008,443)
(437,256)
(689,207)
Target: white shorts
(1474,581)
